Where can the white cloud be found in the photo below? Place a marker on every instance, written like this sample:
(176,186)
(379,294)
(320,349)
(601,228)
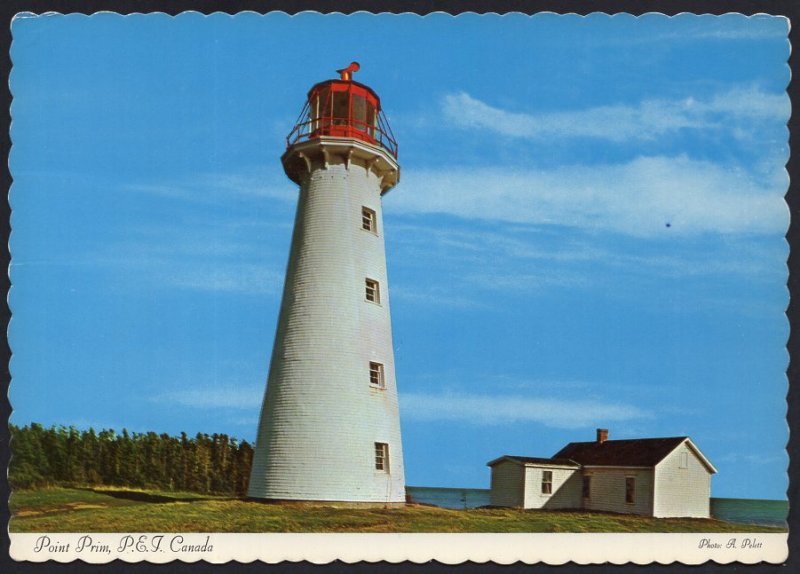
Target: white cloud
(646,120)
(562,262)
(752,458)
(502,280)
(499,410)
(729,27)
(638,198)
(247,398)
(476,247)
(233,278)
(202,254)
(703,27)
(434,296)
(221,187)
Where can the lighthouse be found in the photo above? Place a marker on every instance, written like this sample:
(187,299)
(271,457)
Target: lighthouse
(329,428)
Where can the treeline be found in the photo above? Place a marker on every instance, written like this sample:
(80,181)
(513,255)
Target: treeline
(216,464)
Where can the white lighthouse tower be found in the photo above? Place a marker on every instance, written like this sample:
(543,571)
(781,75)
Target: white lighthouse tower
(330,424)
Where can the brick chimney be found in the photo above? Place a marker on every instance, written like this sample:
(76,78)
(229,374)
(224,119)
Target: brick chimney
(602,436)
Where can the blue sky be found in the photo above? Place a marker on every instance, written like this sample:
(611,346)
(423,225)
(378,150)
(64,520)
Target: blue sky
(588,231)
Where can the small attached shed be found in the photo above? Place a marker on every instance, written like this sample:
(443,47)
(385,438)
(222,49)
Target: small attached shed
(528,482)
(660,477)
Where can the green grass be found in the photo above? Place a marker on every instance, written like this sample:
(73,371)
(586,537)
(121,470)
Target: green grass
(103,509)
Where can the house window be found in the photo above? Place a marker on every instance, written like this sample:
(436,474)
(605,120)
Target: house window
(376,378)
(587,487)
(630,489)
(684,460)
(373,291)
(382,456)
(368,220)
(547,482)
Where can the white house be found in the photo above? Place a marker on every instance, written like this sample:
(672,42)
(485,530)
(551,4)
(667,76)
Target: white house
(661,477)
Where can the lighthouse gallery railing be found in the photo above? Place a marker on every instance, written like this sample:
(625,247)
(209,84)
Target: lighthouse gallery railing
(379,133)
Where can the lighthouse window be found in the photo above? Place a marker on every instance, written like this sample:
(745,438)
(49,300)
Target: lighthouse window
(359,112)
(323,109)
(368,220)
(587,487)
(340,101)
(547,482)
(376,378)
(684,460)
(370,119)
(313,112)
(382,456)
(373,291)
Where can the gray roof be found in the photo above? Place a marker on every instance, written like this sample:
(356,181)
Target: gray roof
(534,460)
(630,452)
(646,452)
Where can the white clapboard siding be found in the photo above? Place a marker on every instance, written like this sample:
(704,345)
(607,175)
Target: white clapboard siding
(608,490)
(682,491)
(320,418)
(566,489)
(508,481)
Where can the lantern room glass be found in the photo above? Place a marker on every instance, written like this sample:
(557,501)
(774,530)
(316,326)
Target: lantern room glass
(337,109)
(343,109)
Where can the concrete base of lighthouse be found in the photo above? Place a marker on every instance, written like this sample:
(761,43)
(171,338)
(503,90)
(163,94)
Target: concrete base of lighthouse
(322,419)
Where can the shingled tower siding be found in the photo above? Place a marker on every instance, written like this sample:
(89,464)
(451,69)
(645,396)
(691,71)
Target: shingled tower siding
(323,417)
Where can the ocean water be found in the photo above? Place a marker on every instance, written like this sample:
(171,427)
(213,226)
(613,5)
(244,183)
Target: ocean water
(449,497)
(739,510)
(751,511)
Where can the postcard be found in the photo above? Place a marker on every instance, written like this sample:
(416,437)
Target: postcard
(381,287)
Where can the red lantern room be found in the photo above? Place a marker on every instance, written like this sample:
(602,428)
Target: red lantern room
(343,108)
